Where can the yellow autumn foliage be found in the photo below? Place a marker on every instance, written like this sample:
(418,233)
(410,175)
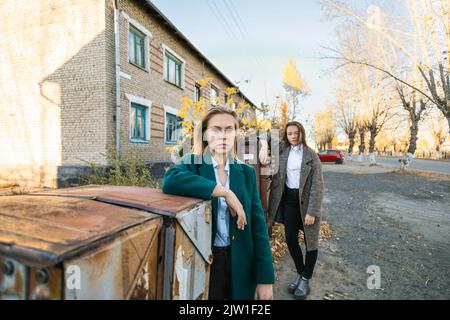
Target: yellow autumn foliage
(292,78)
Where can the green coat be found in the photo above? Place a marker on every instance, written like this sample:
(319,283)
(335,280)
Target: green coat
(251,258)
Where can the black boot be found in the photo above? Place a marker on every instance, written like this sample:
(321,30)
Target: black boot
(294,284)
(302,290)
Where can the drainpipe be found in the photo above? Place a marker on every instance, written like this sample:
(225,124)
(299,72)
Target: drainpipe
(117,75)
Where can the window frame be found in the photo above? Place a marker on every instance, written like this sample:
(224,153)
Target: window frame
(135,33)
(167,50)
(173,112)
(197,87)
(144,104)
(147,38)
(214,88)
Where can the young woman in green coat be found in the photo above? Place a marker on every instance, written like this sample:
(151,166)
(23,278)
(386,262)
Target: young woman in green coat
(242,266)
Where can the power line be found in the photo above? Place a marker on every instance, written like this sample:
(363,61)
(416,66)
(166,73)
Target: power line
(224,26)
(233,7)
(227,27)
(240,26)
(235,19)
(222,18)
(241,30)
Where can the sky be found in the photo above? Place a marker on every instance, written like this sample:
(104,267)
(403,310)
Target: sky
(253,40)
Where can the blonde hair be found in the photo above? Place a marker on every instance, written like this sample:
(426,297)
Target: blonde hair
(200,144)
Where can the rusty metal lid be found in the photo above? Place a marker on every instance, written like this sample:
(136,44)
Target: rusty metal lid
(147,199)
(46,230)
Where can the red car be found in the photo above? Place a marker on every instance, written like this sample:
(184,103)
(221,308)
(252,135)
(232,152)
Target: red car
(335,156)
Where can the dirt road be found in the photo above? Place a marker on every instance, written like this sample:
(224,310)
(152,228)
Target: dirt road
(398,222)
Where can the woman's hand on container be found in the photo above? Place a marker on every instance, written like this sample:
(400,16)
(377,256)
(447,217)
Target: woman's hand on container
(264,292)
(236,208)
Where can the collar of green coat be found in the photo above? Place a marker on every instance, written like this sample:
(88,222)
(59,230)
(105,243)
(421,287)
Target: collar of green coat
(237,179)
(207,168)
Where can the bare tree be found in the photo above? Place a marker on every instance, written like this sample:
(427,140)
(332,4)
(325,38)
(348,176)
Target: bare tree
(374,123)
(421,40)
(439,89)
(415,109)
(346,120)
(362,130)
(438,132)
(324,129)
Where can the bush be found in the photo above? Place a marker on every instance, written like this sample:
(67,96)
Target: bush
(130,170)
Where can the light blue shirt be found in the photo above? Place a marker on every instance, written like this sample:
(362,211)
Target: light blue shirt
(222,238)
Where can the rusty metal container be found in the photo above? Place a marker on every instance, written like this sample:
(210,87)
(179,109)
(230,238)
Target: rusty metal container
(104,242)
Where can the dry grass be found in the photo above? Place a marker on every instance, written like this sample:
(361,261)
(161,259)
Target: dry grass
(425,174)
(19,190)
(278,244)
(8,185)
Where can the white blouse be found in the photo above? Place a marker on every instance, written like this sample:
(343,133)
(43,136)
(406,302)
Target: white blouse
(294,164)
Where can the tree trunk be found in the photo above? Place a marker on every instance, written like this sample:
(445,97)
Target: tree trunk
(438,155)
(413,129)
(373,136)
(362,142)
(448,120)
(351,144)
(362,145)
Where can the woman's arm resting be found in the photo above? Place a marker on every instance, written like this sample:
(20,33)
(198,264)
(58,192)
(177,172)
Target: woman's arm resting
(180,180)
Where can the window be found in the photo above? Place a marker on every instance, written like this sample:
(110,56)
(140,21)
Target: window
(136,47)
(173,69)
(138,43)
(138,122)
(226,98)
(173,127)
(214,96)
(197,93)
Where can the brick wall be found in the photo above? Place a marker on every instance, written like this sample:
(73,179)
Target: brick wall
(52,84)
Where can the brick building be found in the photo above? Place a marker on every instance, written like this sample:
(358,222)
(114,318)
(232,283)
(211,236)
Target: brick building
(58,81)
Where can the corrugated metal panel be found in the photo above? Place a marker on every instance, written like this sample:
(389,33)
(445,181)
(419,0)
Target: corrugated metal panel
(120,252)
(191,273)
(122,269)
(148,199)
(45,230)
(196,224)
